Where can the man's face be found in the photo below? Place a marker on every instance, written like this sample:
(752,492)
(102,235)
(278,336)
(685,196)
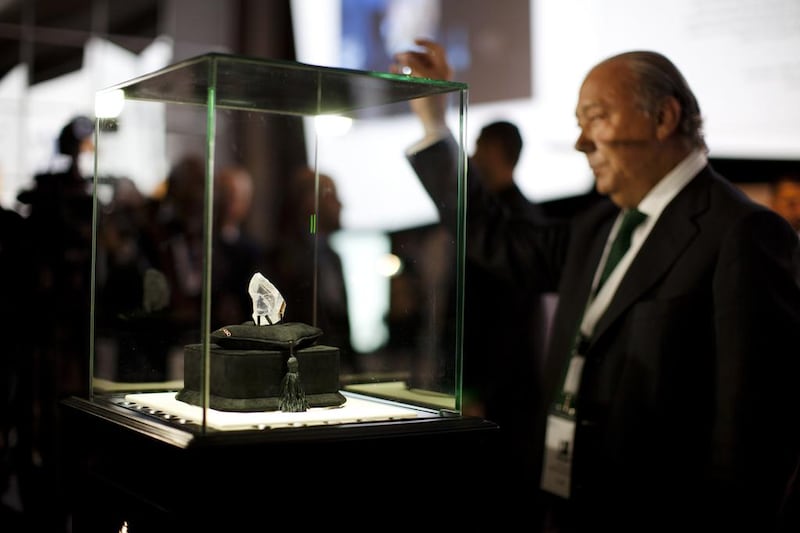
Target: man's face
(330,208)
(487,158)
(617,136)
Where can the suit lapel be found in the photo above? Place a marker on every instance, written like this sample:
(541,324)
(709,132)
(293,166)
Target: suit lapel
(673,232)
(573,301)
(589,235)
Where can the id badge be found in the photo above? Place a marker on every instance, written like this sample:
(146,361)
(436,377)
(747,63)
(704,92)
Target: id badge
(557,464)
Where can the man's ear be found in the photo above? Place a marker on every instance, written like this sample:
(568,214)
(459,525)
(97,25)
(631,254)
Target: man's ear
(668,118)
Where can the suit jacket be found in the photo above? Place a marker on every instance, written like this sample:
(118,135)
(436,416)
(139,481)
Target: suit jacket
(504,338)
(687,415)
(498,325)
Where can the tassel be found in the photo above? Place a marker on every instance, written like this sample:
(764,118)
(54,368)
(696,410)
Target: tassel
(293,397)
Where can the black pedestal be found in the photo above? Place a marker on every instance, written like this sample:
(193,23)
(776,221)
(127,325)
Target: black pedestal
(127,468)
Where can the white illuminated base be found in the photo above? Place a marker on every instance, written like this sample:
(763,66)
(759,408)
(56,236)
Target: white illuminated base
(355,409)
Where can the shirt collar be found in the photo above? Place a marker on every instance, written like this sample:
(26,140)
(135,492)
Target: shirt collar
(672,183)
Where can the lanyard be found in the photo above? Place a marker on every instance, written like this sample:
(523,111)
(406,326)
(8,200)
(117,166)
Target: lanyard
(595,307)
(565,403)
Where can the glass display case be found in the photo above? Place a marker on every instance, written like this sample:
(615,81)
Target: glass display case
(365,320)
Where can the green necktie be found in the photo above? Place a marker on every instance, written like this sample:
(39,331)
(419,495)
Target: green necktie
(622,242)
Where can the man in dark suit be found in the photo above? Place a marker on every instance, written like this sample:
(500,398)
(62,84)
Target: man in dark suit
(668,398)
(504,329)
(486,369)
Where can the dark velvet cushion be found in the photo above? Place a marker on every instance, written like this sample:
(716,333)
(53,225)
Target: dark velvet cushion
(282,336)
(251,380)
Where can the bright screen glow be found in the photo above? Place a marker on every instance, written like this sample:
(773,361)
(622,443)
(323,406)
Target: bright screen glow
(739,56)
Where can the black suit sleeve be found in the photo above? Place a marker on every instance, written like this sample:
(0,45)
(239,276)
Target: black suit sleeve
(515,247)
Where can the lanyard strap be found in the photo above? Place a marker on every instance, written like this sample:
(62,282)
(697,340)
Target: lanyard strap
(571,379)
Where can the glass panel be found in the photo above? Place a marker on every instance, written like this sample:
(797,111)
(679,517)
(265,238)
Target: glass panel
(278,86)
(383,299)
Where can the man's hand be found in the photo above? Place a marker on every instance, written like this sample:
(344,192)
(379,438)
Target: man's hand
(431,63)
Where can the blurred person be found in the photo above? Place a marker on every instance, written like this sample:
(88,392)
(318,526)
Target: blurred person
(121,259)
(17,307)
(59,222)
(172,248)
(130,344)
(504,328)
(237,255)
(304,266)
(489,305)
(419,319)
(668,397)
(176,239)
(785,199)
(496,154)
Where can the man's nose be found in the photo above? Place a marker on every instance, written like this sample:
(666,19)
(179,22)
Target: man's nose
(584,144)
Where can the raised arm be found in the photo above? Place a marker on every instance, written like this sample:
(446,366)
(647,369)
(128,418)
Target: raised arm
(511,246)
(430,63)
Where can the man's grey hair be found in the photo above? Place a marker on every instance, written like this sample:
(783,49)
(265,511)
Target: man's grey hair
(659,78)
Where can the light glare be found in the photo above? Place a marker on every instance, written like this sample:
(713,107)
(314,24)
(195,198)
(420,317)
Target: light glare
(332,125)
(109,104)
